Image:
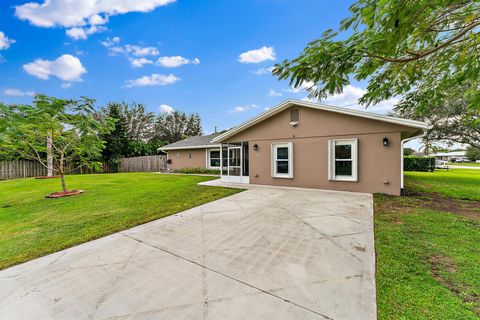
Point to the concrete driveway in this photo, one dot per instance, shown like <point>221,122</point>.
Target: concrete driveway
<point>266,253</point>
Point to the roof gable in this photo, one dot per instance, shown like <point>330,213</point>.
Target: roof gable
<point>289,103</point>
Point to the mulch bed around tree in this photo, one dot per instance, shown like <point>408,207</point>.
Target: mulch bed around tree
<point>63,194</point>
<point>47,177</point>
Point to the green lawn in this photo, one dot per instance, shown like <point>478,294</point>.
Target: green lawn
<point>455,183</point>
<point>428,248</point>
<point>32,226</point>
<point>465,164</point>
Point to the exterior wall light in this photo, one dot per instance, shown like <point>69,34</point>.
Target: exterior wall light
<point>255,147</point>
<point>386,142</point>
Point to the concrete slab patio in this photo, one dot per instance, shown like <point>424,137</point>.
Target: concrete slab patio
<point>266,253</point>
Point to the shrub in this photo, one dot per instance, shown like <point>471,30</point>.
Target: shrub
<point>413,163</point>
<point>196,171</point>
<point>473,154</point>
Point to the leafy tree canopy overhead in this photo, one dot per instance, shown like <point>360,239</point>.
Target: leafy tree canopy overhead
<point>398,47</point>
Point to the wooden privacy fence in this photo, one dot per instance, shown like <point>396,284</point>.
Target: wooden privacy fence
<point>146,164</point>
<point>16,169</point>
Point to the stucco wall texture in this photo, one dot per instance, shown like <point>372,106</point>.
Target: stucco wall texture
<point>189,158</point>
<point>379,167</point>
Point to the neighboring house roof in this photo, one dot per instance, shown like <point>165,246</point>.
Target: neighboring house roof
<point>449,154</point>
<point>196,142</point>
<point>288,103</point>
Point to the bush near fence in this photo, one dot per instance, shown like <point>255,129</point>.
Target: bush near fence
<point>414,163</point>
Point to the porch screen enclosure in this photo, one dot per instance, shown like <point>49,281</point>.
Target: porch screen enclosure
<point>235,162</point>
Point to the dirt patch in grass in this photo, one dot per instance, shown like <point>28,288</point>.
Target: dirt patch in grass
<point>439,264</point>
<point>438,202</point>
<point>433,201</point>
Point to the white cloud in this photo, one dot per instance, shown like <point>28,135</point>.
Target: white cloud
<point>273,93</point>
<point>349,99</point>
<point>13,92</point>
<point>165,108</point>
<point>84,14</point>
<point>78,33</point>
<point>5,41</point>
<point>138,63</point>
<point>65,67</point>
<point>304,86</point>
<point>175,61</point>
<point>262,71</point>
<point>97,19</point>
<point>133,50</point>
<point>153,80</point>
<point>110,42</point>
<point>257,55</point>
<point>66,85</point>
<point>240,109</point>
<point>135,54</point>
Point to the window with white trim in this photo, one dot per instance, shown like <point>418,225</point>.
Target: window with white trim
<point>214,159</point>
<point>343,160</point>
<point>282,160</point>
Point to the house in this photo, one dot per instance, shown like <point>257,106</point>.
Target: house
<point>194,152</point>
<point>310,145</point>
<point>451,156</point>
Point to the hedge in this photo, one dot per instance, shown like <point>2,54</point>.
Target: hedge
<point>413,163</point>
<point>196,171</point>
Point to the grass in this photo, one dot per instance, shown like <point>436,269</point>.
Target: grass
<point>32,226</point>
<point>428,246</point>
<point>464,164</point>
<point>454,183</point>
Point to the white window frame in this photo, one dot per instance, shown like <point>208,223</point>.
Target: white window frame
<point>332,160</point>
<point>209,157</point>
<point>274,159</point>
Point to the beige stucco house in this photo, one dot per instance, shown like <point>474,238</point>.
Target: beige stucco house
<point>304,144</point>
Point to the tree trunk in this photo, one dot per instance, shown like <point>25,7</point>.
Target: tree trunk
<point>62,173</point>
<point>64,186</point>
<point>49,157</point>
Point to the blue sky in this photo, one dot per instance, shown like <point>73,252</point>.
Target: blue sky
<point>210,57</point>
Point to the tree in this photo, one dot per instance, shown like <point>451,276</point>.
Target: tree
<point>408,152</point>
<point>175,126</point>
<point>193,125</point>
<point>473,154</point>
<point>74,132</point>
<point>453,121</point>
<point>399,47</point>
<point>116,141</point>
<point>140,123</point>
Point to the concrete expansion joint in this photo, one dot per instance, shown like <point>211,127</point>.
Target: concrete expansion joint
<point>225,275</point>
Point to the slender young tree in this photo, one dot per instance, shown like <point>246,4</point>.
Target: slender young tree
<point>70,124</point>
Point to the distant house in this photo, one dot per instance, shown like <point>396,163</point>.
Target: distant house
<point>452,156</point>
<point>304,144</point>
